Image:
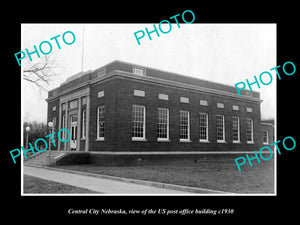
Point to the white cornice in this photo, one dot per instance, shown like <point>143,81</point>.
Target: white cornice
<point>175,84</point>
<point>161,82</point>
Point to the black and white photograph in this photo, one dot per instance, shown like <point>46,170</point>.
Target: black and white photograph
<point>160,117</point>
<point>129,112</point>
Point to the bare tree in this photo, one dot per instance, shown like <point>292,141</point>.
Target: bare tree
<point>41,72</point>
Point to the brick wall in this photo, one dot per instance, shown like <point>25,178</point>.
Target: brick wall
<point>118,101</point>
<point>270,129</point>
<point>50,116</point>
<point>150,72</point>
<point>109,101</point>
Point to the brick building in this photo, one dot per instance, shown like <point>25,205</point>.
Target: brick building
<point>267,127</point>
<point>126,107</point>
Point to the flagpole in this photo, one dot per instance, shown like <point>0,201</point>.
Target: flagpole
<point>82,48</point>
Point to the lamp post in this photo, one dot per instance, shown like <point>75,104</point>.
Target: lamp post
<point>27,131</point>
<point>50,124</point>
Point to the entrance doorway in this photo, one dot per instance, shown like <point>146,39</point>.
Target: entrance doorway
<point>73,141</point>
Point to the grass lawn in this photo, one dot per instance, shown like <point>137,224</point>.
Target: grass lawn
<point>34,185</point>
<point>218,174</point>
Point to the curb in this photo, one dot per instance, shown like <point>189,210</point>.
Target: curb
<point>135,181</point>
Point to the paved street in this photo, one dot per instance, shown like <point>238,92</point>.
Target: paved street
<point>95,183</point>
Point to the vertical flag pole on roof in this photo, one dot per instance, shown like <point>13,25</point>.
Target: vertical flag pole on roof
<point>82,48</point>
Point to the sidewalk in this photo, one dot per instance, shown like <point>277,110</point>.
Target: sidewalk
<point>97,184</point>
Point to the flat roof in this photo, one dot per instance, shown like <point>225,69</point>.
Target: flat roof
<point>117,65</point>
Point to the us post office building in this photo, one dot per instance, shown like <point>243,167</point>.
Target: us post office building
<point>123,107</point>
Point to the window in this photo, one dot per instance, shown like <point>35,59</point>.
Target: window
<point>235,129</point>
<point>83,101</point>
<point>73,104</point>
<point>163,124</point>
<point>100,122</point>
<point>184,126</point>
<point>220,128</point>
<point>139,93</point>
<point>249,130</point>
<point>100,94</point>
<point>203,127</point>
<point>235,107</point>
<point>184,100</point>
<point>54,108</point>
<point>203,102</point>
<point>139,71</point>
<point>74,130</point>
<point>249,109</point>
<point>138,122</point>
<point>163,96</point>
<point>83,133</point>
<point>220,105</point>
<point>265,137</point>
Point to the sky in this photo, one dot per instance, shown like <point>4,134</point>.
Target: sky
<point>222,53</point>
